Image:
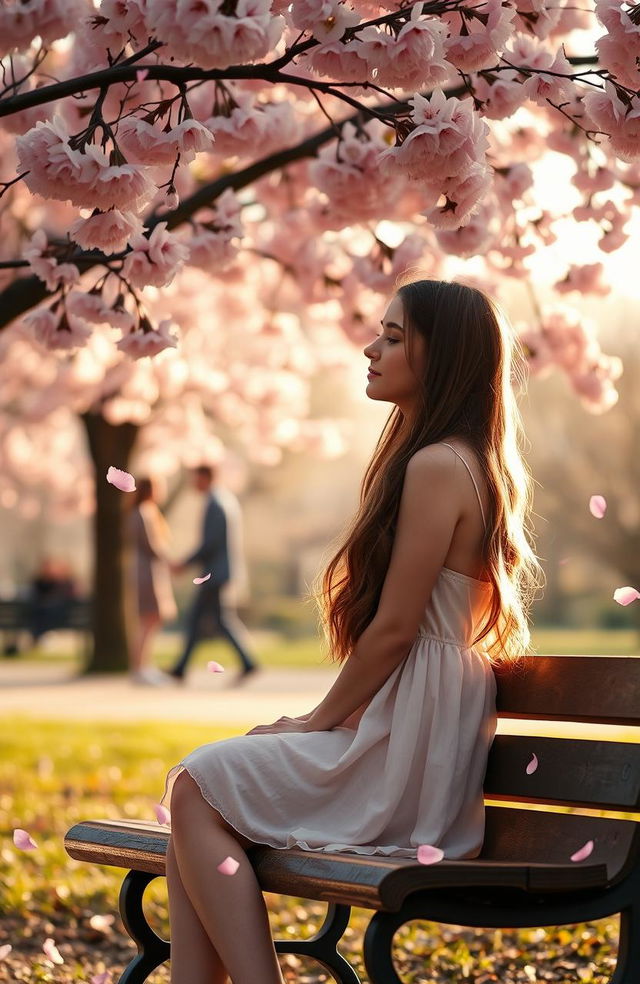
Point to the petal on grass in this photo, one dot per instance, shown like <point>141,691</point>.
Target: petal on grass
<point>51,951</point>
<point>229,866</point>
<point>429,855</point>
<point>583,853</point>
<point>201,580</point>
<point>624,596</point>
<point>23,840</point>
<point>597,506</point>
<point>162,814</point>
<point>533,765</point>
<point>5,950</point>
<point>122,480</point>
<point>214,667</point>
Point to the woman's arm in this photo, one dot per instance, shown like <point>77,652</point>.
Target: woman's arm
<point>429,511</point>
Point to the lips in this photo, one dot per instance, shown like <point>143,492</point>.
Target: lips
<point>373,372</point>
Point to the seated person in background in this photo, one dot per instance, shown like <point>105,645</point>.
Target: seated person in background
<point>52,588</point>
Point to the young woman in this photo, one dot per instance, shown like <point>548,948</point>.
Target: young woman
<point>155,603</point>
<point>430,586</point>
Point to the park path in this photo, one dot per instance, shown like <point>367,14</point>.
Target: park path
<point>52,691</point>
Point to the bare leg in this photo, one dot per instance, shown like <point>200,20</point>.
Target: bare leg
<point>147,625</point>
<point>230,907</point>
<point>194,960</point>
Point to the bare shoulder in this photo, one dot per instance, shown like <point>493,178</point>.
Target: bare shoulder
<point>435,461</point>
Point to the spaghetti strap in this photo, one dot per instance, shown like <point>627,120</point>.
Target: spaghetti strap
<point>475,484</point>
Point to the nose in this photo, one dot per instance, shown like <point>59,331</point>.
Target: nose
<point>370,351</point>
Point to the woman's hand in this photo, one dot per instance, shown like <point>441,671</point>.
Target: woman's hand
<point>282,725</point>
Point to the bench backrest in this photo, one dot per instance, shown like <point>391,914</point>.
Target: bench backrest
<point>571,772</point>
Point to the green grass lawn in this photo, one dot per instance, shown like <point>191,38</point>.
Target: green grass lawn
<point>53,774</point>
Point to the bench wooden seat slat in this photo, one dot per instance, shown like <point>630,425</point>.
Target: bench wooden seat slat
<point>579,772</point>
<point>591,689</point>
<point>374,882</point>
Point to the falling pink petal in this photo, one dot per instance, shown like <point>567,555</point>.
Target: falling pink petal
<point>102,924</point>
<point>597,506</point>
<point>583,853</point>
<point>141,74</point>
<point>100,978</point>
<point>229,866</point>
<point>533,764</point>
<point>23,840</point>
<point>214,667</point>
<point>624,596</point>
<point>5,950</point>
<point>201,580</point>
<point>121,479</point>
<point>51,951</point>
<point>162,814</point>
<point>429,855</point>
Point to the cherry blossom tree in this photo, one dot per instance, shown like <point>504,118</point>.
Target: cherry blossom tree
<point>204,200</point>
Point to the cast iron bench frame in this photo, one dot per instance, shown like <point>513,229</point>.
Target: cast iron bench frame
<point>523,877</point>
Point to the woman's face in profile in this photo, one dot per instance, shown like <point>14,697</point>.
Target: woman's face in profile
<point>391,378</point>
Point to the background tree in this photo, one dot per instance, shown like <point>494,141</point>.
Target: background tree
<point>208,198</point>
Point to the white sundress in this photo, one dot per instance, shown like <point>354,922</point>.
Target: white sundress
<point>409,769</point>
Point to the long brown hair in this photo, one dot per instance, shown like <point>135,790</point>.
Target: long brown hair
<point>466,391</point>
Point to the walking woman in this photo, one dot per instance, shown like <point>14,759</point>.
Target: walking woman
<point>155,603</point>
<point>430,585</point>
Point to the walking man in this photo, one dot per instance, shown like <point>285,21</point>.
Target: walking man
<point>218,555</point>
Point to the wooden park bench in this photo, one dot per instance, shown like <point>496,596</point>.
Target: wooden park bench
<point>16,614</point>
<point>524,876</point>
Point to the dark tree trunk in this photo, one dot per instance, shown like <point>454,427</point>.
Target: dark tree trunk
<point>109,445</point>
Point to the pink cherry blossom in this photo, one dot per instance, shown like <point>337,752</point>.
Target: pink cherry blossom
<point>91,307</point>
<point>87,179</point>
<point>201,34</point>
<point>413,59</point>
<point>51,951</point>
<point>228,867</point>
<point>336,60</point>
<point>55,329</point>
<point>23,840</point>
<point>429,855</point>
<point>533,764</point>
<point>326,20</point>
<point>44,264</point>
<point>618,115</point>
<point>50,19</point>
<point>583,852</point>
<point>154,259</point>
<point>108,231</point>
<point>122,480</point>
<point>597,506</point>
<point>618,49</point>
<point>585,279</point>
<point>474,42</point>
<point>624,596</point>
<point>140,343</point>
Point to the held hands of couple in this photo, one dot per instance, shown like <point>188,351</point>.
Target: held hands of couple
<point>282,725</point>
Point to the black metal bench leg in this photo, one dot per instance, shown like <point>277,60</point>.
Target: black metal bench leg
<point>378,946</point>
<point>628,965</point>
<point>152,949</point>
<point>323,946</point>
